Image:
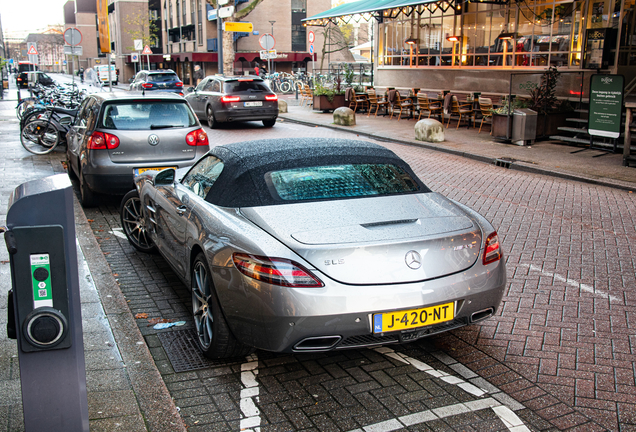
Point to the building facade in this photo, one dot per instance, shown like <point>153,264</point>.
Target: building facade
<point>491,46</point>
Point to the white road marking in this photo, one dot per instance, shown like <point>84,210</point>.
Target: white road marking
<point>505,414</point>
<point>117,232</point>
<point>571,282</point>
<point>252,420</point>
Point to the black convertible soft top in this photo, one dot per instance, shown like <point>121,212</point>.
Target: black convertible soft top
<point>242,181</point>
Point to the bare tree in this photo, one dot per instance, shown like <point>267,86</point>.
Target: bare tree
<point>335,41</point>
<point>228,38</point>
<point>141,26</point>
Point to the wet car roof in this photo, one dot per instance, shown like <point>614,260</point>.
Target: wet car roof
<point>242,182</point>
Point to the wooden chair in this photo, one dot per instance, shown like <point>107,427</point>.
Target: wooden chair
<point>424,104</point>
<point>401,104</point>
<point>485,107</point>
<point>460,110</point>
<point>377,103</point>
<point>306,95</point>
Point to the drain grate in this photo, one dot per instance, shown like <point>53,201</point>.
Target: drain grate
<point>184,354</point>
<point>504,163</point>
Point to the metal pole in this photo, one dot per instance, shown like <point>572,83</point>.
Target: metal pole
<point>272,33</point>
<point>219,38</point>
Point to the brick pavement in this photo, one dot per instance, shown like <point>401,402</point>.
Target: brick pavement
<point>561,347</point>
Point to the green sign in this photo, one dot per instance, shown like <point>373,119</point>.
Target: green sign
<point>606,105</point>
<point>41,279</point>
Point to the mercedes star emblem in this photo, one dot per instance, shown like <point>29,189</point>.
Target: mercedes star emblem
<point>153,140</point>
<point>413,260</point>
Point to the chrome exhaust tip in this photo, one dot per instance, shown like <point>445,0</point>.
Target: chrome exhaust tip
<point>317,343</point>
<point>482,315</point>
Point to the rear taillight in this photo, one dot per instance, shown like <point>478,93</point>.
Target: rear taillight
<point>492,252</point>
<point>230,99</point>
<point>271,97</point>
<point>19,79</point>
<point>179,84</point>
<point>103,141</point>
<point>197,138</point>
<point>275,271</point>
<point>146,85</point>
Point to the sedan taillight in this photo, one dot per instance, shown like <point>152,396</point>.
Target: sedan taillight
<point>230,98</point>
<point>146,85</point>
<point>275,271</point>
<point>103,141</point>
<point>197,138</point>
<point>271,97</point>
<point>492,251</point>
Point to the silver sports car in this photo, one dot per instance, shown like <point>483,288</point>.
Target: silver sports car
<point>313,245</point>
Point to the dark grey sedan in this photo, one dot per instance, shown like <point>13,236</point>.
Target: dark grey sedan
<point>219,99</point>
<point>116,134</point>
<point>300,245</point>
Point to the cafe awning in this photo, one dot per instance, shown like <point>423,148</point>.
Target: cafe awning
<point>378,9</point>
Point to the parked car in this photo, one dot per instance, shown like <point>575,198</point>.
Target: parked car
<point>219,99</point>
<point>300,245</point>
<point>21,73</point>
<point>157,80</point>
<point>117,133</point>
<point>35,77</point>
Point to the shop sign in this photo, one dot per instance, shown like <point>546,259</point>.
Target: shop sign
<point>606,105</point>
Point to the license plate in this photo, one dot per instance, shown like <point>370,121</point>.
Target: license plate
<point>413,318</point>
<point>138,171</point>
<point>249,104</point>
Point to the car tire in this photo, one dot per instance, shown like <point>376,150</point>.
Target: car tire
<point>212,123</point>
<point>87,196</point>
<point>269,123</point>
<point>133,223</point>
<point>213,333</point>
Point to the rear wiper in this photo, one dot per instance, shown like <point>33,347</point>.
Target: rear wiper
<point>161,126</point>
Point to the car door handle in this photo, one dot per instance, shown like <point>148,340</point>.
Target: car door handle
<point>181,210</point>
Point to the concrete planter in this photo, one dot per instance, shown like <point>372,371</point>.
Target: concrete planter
<point>549,124</point>
<point>321,103</point>
<point>499,123</point>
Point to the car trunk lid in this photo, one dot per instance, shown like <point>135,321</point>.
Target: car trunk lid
<point>379,240</point>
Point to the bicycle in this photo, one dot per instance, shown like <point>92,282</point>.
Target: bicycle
<point>40,137</point>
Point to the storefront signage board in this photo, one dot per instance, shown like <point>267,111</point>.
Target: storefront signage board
<point>606,105</point>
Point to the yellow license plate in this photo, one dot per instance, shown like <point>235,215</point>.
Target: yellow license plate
<point>413,318</point>
<point>138,171</point>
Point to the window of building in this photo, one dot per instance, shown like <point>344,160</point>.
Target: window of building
<point>299,31</point>
<point>200,23</point>
<point>537,34</point>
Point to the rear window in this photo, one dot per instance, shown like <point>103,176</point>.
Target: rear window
<point>163,77</point>
<point>245,86</point>
<point>147,115</point>
<point>27,67</point>
<point>339,181</point>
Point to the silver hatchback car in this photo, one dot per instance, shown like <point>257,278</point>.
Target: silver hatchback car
<point>117,134</point>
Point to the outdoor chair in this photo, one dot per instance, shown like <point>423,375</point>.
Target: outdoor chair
<point>377,103</point>
<point>356,101</point>
<point>485,107</point>
<point>402,104</point>
<point>424,104</point>
<point>458,110</point>
<point>306,95</point>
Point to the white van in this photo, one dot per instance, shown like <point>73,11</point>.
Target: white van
<point>102,74</point>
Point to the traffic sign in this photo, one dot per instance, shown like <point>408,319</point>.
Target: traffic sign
<point>139,44</point>
<point>238,27</point>
<point>268,54</point>
<point>311,37</point>
<point>226,12</point>
<point>147,50</point>
<point>134,57</point>
<point>73,50</point>
<point>311,48</point>
<point>72,36</point>
<point>267,41</point>
<point>32,50</point>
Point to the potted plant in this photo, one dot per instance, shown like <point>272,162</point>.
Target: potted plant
<point>552,112</point>
<point>328,99</point>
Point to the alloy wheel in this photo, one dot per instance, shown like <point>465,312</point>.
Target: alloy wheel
<point>203,318</point>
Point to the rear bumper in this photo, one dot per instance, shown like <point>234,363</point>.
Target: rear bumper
<point>238,115</point>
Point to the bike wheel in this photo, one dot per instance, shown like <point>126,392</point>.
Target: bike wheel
<point>23,107</point>
<point>39,137</point>
<point>285,87</point>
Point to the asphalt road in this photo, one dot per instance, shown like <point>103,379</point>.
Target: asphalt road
<point>559,354</point>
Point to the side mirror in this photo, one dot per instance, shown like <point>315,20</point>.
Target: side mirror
<point>164,177</point>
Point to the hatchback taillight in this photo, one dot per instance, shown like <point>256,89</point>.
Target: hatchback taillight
<point>197,138</point>
<point>271,97</point>
<point>230,98</point>
<point>492,252</point>
<point>275,271</point>
<point>146,85</point>
<point>179,84</point>
<point>103,141</point>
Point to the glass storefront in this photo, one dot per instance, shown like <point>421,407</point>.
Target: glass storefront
<point>529,34</point>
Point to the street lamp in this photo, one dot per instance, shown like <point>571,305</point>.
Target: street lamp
<point>454,39</point>
<point>411,42</point>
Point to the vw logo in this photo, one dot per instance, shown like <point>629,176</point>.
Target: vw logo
<point>413,260</point>
<point>153,140</point>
